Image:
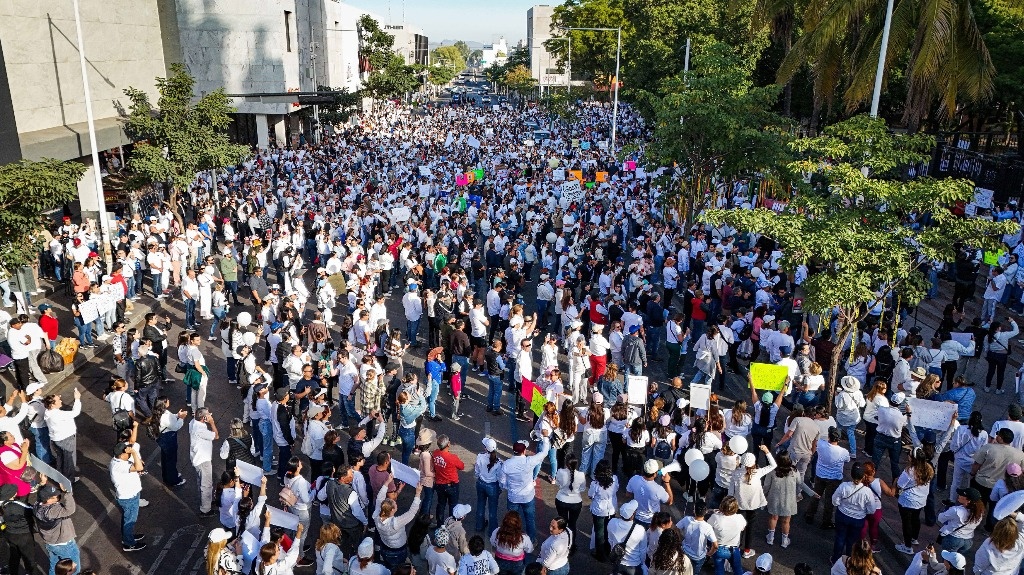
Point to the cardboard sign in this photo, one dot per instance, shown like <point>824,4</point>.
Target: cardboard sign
<point>768,376</point>
<point>282,518</point>
<point>404,473</point>
<point>401,214</point>
<point>700,396</point>
<point>577,174</point>
<point>461,180</point>
<point>636,389</point>
<point>249,473</point>
<point>601,176</point>
<point>983,197</point>
<point>571,191</point>
<point>930,414</point>
<point>962,338</point>
<point>52,474</point>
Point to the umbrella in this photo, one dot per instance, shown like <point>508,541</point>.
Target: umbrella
<point>432,354</point>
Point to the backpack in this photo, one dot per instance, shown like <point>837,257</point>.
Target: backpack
<point>122,418</point>
<point>747,331</point>
<point>307,444</point>
<point>662,450</point>
<point>884,363</point>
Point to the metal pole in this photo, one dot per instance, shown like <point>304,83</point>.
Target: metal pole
<point>98,178</point>
<point>316,108</point>
<point>686,59</point>
<point>880,70</point>
<point>568,76</point>
<point>615,106</point>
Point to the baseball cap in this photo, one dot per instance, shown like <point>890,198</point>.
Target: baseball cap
<point>955,559</point>
<point>767,397</point>
<point>651,467</point>
<point>281,394</point>
<point>33,387</point>
<point>48,491</point>
<point>682,402</point>
<point>365,550</point>
<point>598,398</point>
<point>489,444</point>
<point>970,493</point>
<point>441,536</point>
<point>314,410</point>
<point>461,510</point>
<point>120,448</point>
<point>1013,469</point>
<point>219,534</point>
<point>897,398</point>
<point>634,328</point>
<point>627,509</point>
<point>764,563</point>
<point>44,307</point>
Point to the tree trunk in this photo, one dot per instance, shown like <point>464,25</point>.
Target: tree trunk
<point>837,354</point>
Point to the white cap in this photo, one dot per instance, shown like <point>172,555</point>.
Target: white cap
<point>749,460</point>
<point>627,509</point>
<point>764,562</point>
<point>955,559</point>
<point>219,534</point>
<point>461,510</point>
<point>897,398</point>
<point>365,550</point>
<point>597,398</point>
<point>651,466</point>
<point>33,387</point>
<point>489,444</point>
<point>682,402</point>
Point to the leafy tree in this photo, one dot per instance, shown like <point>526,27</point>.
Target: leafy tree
<point>520,81</point>
<point>851,228</point>
<point>447,63</point>
<point>1003,31</point>
<point>593,52</point>
<point>714,125</point>
<point>474,57</point>
<point>376,46</point>
<point>179,138</point>
<point>463,49</point>
<point>27,190</point>
<point>394,81</point>
<point>345,104</point>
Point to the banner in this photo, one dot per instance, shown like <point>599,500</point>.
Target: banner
<point>636,389</point>
<point>461,180</point>
<point>571,191</point>
<point>534,396</point>
<point>768,376</point>
<point>930,414</point>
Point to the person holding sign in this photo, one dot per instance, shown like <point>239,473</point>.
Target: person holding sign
<point>272,560</point>
<point>394,541</point>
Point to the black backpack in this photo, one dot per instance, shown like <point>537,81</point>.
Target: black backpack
<point>662,449</point>
<point>747,331</point>
<point>884,363</point>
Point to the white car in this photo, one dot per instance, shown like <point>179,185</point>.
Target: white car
<point>486,99</point>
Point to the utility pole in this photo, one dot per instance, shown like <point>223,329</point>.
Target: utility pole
<point>316,87</point>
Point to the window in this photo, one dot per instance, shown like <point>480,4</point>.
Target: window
<point>288,30</point>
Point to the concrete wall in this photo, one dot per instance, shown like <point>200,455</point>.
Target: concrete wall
<point>123,47</point>
<point>339,50</point>
<point>543,64</point>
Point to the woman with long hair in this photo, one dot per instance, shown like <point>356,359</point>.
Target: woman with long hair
<point>957,524</point>
<point>511,545</point>
<point>394,541</point>
<point>913,486</point>
<point>299,485</point>
<point>874,520</point>
<point>707,442</point>
<point>226,495</point>
<point>545,426</point>
<point>603,506</point>
<point>571,484</point>
<point>595,434</point>
<point>222,559</point>
<point>637,439</point>
<point>567,428</point>
<point>487,470</point>
<point>726,462</point>
<point>966,441</point>
<point>273,560</point>
<point>329,558</point>
<point>164,425</point>
<point>861,561</point>
<point>1001,553</point>
<point>737,421</point>
<point>746,487</point>
<point>876,395</point>
<point>997,351</point>
<point>782,491</point>
<point>669,558</point>
<point>617,424</point>
<point>858,367</point>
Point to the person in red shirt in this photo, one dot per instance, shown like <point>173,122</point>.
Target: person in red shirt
<point>447,466</point>
<point>49,323</point>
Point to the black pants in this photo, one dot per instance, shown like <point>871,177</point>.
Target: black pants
<point>601,546</point>
<point>618,448</point>
<point>21,547</point>
<point>990,520</point>
<point>949,372</point>
<point>997,367</point>
<point>447,497</point>
<point>22,373</point>
<point>748,531</point>
<point>911,523</point>
<point>945,458</point>
<point>826,487</point>
<point>571,513</point>
<point>870,430</point>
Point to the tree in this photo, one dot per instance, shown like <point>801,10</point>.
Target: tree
<point>376,47</point>
<point>463,49</point>
<point>475,57</point>
<point>851,228</point>
<point>715,126</point>
<point>448,62</point>
<point>593,52</point>
<point>345,104</point>
<point>394,81</point>
<point>949,63</point>
<point>179,138</point>
<point>27,190</point>
<point>520,81</point>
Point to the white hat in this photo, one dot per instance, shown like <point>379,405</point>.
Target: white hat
<point>682,402</point>
<point>219,534</point>
<point>897,398</point>
<point>849,383</point>
<point>597,328</point>
<point>651,466</point>
<point>314,410</point>
<point>764,562</point>
<point>627,509</point>
<point>955,559</point>
<point>576,324</point>
<point>768,318</point>
<point>489,444</point>
<point>749,460</point>
<point>461,510</point>
<point>33,387</point>
<point>365,550</point>
<point>597,398</point>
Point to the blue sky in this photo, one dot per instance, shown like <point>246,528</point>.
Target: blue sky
<point>473,20</point>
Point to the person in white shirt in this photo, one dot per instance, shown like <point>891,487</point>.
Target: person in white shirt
<point>853,501</point>
<point>647,493</point>
<point>37,422</point>
<point>26,339</point>
<point>891,422</point>
<point>413,312</point>
<point>554,552</point>
<point>518,480</point>
<point>202,433</point>
<point>124,474</point>
<point>632,535</point>
<point>728,525</point>
<point>63,433</point>
<point>699,539</point>
<point>12,423</point>
<point>487,470</point>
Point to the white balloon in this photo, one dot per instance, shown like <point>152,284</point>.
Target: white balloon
<point>692,455</point>
<point>249,338</point>
<point>1008,504</point>
<point>738,445</point>
<point>699,470</point>
<point>244,319</point>
<point>551,237</point>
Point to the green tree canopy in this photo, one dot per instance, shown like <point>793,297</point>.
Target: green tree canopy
<point>375,45</point>
<point>394,81</point>
<point>179,137</point>
<point>27,190</point>
<point>851,228</point>
<point>345,104</point>
<point>463,49</point>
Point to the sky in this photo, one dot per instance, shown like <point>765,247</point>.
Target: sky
<point>481,21</point>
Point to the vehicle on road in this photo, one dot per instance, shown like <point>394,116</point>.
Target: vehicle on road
<point>485,100</point>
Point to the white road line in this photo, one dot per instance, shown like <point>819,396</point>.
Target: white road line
<point>110,506</point>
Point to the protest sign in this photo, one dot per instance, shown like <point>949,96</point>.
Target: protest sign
<point>575,142</point>
<point>404,473</point>
<point>282,518</point>
<point>584,145</point>
<point>601,176</point>
<point>478,175</point>
<point>401,214</point>
<point>636,389</point>
<point>962,338</point>
<point>571,191</point>
<point>603,144</point>
<point>577,174</point>
<point>249,473</point>
<point>425,171</point>
<point>992,258</point>
<point>630,165</point>
<point>89,311</point>
<point>448,141</point>
<point>983,197</point>
<point>971,209</point>
<point>930,414</point>
<point>558,175</point>
<point>700,396</point>
<point>488,131</point>
<point>768,376</point>
<point>473,142</point>
<point>461,180</point>
<point>53,474</point>
<point>424,190</point>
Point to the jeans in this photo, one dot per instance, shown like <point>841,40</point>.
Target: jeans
<point>698,564</point>
<point>426,499</point>
<point>891,445</point>
<point>851,438</point>
<point>168,441</point>
<point>527,512</point>
<point>996,367</point>
<point>486,495</point>
<point>464,362</point>
<point>654,337</point>
<point>267,429</point>
<point>41,437</point>
<point>348,410</point>
<point>129,514</point>
<point>506,567</point>
<point>218,314</point>
<point>848,532</point>
<point>435,387</point>
<point>809,398</point>
<point>84,332</point>
<point>494,392</point>
<point>67,550</point>
<point>632,369</point>
<point>412,328</point>
<point>392,558</point>
<point>447,498</point>
<point>408,437</point>
<point>956,544</point>
<point>563,570</point>
<point>988,310</point>
<point>158,281</point>
<point>190,313</point>
<point>730,554</point>
<point>601,545</point>
<point>591,456</point>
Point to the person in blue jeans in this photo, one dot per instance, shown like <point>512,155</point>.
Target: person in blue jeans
<point>435,369</point>
<point>495,367</point>
<point>410,407</point>
<point>728,525</point>
<point>266,426</point>
<point>124,473</point>
<point>487,470</point>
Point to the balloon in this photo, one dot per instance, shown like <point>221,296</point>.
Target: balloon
<point>244,319</point>
<point>249,338</point>
<point>691,455</point>
<point>1008,504</point>
<point>551,237</point>
<point>738,445</point>
<point>699,470</point>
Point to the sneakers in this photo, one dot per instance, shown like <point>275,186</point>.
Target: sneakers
<point>182,482</point>
<point>770,538</point>
<point>988,389</point>
<point>143,503</point>
<point>137,547</point>
<point>304,562</point>
<point>904,549</point>
<point>785,540</point>
<point>455,417</point>
<point>915,542</point>
<point>748,553</point>
<point>209,513</point>
<point>1000,392</point>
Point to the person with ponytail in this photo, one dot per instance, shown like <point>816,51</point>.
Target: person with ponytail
<point>165,425</point>
<point>966,441</point>
<point>274,561</point>
<point>487,470</point>
<point>957,524</point>
<point>571,484</point>
<point>912,490</point>
<point>746,487</point>
<point>222,558</point>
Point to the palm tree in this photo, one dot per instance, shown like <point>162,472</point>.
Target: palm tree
<point>780,17</point>
<point>948,62</point>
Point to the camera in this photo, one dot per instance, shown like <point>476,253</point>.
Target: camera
<point>536,436</point>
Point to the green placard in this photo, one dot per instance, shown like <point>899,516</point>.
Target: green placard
<point>768,377</point>
<point>538,402</point>
<point>479,175</point>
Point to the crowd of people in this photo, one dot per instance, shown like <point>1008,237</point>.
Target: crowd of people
<point>294,266</point>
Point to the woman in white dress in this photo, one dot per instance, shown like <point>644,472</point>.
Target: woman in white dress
<point>206,280</point>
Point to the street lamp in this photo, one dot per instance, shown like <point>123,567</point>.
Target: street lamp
<point>618,52</point>
<point>880,70</point>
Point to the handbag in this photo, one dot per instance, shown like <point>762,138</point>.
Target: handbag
<point>180,368</point>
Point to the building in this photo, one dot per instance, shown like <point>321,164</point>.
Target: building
<point>410,43</point>
<point>543,64</point>
<point>495,53</point>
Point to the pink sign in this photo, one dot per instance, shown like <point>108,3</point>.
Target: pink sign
<point>630,166</point>
<point>461,180</point>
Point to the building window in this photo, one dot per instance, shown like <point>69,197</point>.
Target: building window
<point>288,30</point>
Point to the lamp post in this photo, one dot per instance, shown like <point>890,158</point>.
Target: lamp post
<point>618,53</point>
<point>876,95</point>
<point>101,202</point>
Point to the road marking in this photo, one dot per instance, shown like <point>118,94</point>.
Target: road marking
<point>170,546</point>
<point>111,504</point>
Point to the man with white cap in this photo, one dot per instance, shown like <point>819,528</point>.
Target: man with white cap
<point>648,494</point>
<point>518,480</point>
<point>487,470</point>
<point>458,543</point>
<point>762,565</point>
<point>891,422</point>
<point>599,348</point>
<point>928,561</point>
<point>631,534</point>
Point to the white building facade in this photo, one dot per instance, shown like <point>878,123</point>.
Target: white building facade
<point>543,64</point>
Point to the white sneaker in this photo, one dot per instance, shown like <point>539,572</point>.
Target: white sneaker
<point>904,549</point>
<point>748,553</point>
<point>143,502</point>
<point>770,538</point>
<point>785,540</point>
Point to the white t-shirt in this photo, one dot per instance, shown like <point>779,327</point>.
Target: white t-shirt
<point>727,528</point>
<point>200,449</point>
<point>127,484</point>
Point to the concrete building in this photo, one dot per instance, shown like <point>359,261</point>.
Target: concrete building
<point>410,43</point>
<point>543,64</point>
<point>495,53</point>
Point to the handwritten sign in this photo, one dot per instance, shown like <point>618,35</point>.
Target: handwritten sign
<point>983,197</point>
<point>577,174</point>
<point>571,191</point>
<point>700,396</point>
<point>636,389</point>
<point>461,180</point>
<point>768,377</point>
<point>630,165</point>
<point>425,171</point>
<point>930,414</point>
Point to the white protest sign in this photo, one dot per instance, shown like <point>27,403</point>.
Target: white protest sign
<point>636,389</point>
<point>89,311</point>
<point>496,107</point>
<point>400,214</point>
<point>424,190</point>
<point>49,472</point>
<point>983,197</point>
<point>448,141</point>
<point>930,414</point>
<point>249,473</point>
<point>641,174</point>
<point>404,473</point>
<point>571,191</point>
<point>488,131</point>
<point>603,144</point>
<point>473,142</point>
<point>425,171</point>
<point>558,175</point>
<point>700,396</point>
<point>481,119</point>
<point>971,209</point>
<point>962,338</point>
<point>105,303</point>
<point>282,518</point>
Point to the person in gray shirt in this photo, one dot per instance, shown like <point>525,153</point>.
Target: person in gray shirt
<point>53,520</point>
<point>258,286</point>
